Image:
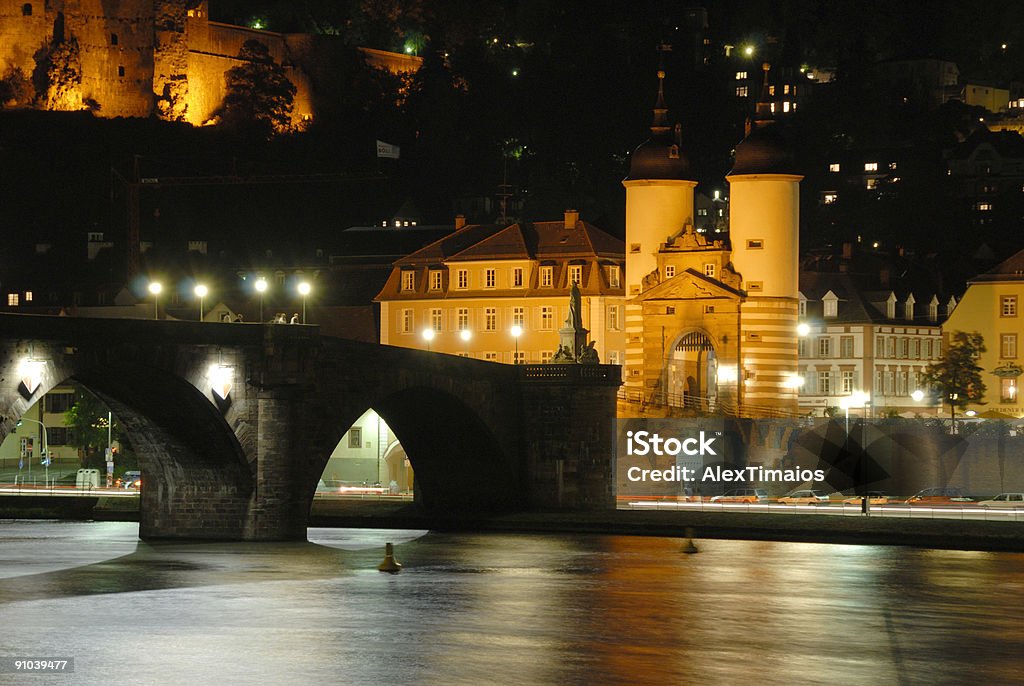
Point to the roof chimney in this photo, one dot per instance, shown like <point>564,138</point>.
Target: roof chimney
<point>460,221</point>
<point>571,217</point>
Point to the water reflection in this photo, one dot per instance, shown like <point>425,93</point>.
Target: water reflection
<point>515,609</point>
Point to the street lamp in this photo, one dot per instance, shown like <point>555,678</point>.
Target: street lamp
<point>428,335</point>
<point>304,289</point>
<point>155,288</point>
<point>261,288</point>
<point>465,335</point>
<point>201,292</point>
<point>45,453</point>
<point>517,331</point>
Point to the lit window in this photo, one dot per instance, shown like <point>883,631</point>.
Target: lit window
<point>702,212</point>
<point>435,280</point>
<point>1008,390</point>
<point>709,269</point>
<point>462,279</point>
<point>436,319</point>
<point>771,90</point>
<point>892,166</point>
<point>490,278</point>
<point>742,92</point>
<point>517,277</point>
<point>785,106</point>
<point>613,317</point>
<point>408,280</point>
<point>576,274</point>
<point>546,277</point>
<point>406,321</point>
<point>824,382</point>
<point>462,318</point>
<point>831,307</point>
<point>825,347</point>
<point>519,316</point>
<point>740,75</point>
<point>490,319</point>
<point>773,108</point>
<point>871,184</point>
<point>12,299</point>
<point>670,271</point>
<point>984,206</point>
<point>870,166</point>
<point>834,167</point>
<point>830,198</point>
<point>847,382</point>
<point>28,296</point>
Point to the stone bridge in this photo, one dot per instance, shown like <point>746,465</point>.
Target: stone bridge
<point>243,462</point>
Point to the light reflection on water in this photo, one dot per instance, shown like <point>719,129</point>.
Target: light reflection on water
<point>514,609</point>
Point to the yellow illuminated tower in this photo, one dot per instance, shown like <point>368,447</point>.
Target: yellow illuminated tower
<point>659,204</point>
<point>765,242</point>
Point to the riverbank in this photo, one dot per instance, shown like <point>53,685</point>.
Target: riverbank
<point>951,534</point>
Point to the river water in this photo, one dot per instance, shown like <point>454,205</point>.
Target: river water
<point>498,608</point>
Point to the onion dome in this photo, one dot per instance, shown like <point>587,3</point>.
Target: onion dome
<point>660,156</point>
<point>764,150</point>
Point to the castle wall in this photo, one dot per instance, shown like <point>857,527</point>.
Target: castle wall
<point>22,35</point>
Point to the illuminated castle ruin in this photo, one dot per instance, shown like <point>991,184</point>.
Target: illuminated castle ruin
<point>135,58</point>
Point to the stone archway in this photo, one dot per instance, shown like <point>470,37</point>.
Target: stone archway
<point>691,367</point>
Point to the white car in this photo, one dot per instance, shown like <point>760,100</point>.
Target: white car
<point>1004,500</point>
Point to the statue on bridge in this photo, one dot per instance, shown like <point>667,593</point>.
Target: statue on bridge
<point>573,347</point>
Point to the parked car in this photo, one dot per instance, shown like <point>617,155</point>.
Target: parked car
<point>874,498</point>
<point>1004,500</point>
<point>131,479</point>
<point>942,495</point>
<point>804,497</point>
<point>742,495</point>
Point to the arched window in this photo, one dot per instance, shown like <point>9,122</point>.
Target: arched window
<point>113,39</point>
<point>26,9</point>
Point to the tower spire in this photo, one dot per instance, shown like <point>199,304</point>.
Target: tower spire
<point>660,125</point>
<point>764,105</point>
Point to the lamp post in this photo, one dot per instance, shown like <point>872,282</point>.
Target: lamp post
<point>428,335</point>
<point>45,449</point>
<point>155,287</point>
<point>465,335</point>
<point>201,292</point>
<point>261,288</point>
<point>304,289</point>
<point>517,331</point>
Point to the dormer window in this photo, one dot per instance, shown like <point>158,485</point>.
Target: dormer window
<point>830,303</point>
<point>890,307</point>
<point>908,308</point>
<point>408,280</point>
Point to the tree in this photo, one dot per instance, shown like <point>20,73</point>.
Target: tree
<point>957,376</point>
<point>87,424</point>
<point>259,95</point>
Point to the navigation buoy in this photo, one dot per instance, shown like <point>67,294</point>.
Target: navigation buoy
<point>689,547</point>
<point>390,564</point>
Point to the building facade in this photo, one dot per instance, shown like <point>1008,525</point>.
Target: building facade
<point>464,293</point>
<point>991,307</point>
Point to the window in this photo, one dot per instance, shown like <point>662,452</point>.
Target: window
<point>742,91</point>
<point>120,70</point>
<point>741,75</point>
<point>436,319</point>
<point>829,198</point>
<point>518,357</point>
<point>519,316</point>
<point>892,166</point>
<point>824,382</point>
<point>834,167</point>
<point>1008,390</point>
<point>846,346</point>
<point>903,348</point>
<point>491,357</point>
<point>915,349</point>
<point>847,382</point>
<point>801,347</point>
<point>613,317</point>
<point>870,166</point>
<point>771,91</point>
<point>634,248</point>
<point>435,279</point>
<point>613,276</point>
<point>517,277</point>
<point>927,354</point>
<point>890,347</point>
<point>58,403</point>
<point>871,184</point>
<point>545,356</point>
<point>355,437</point>
<point>113,39</point>
<point>831,307</point>
<point>462,319</point>
<point>901,383</point>
<point>888,383</point>
<point>28,296</point>
<point>26,9</point>
<point>670,271</point>
<point>490,278</point>
<point>546,274</point>
<point>462,279</point>
<point>878,382</point>
<point>546,317</point>
<point>12,299</point>
<point>1008,306</point>
<point>576,274</point>
<point>408,280</point>
<point>709,269</point>
<point>1008,346</point>
<point>406,319</point>
<point>908,309</point>
<point>490,319</point>
<point>755,244</point>
<point>824,347</point>
<point>802,307</point>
